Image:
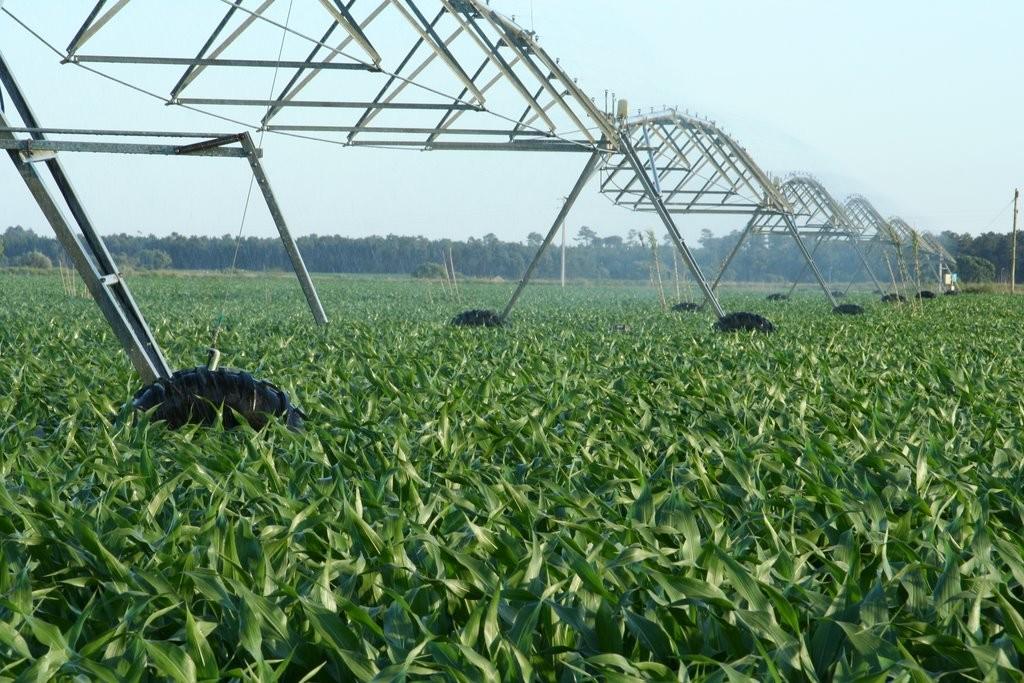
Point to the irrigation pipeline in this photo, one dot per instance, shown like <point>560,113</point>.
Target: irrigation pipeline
<point>131,86</point>
<point>408,81</point>
<point>66,58</point>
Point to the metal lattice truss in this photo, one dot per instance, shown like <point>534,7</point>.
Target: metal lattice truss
<point>417,74</point>
<point>813,209</point>
<point>820,216</point>
<point>696,168</point>
<point>870,225</point>
<point>911,237</point>
<point>811,212</point>
<point>421,74</point>
<point>669,164</point>
<point>895,233</point>
<point>693,167</point>
<point>940,251</point>
<point>922,245</point>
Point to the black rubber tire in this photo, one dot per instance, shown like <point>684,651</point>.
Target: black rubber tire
<point>686,307</point>
<point>195,396</point>
<point>777,297</point>
<point>848,309</point>
<point>926,294</point>
<point>951,292</point>
<point>744,322</point>
<point>478,318</point>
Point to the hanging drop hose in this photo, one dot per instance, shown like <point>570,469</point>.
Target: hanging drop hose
<point>204,395</point>
<point>213,353</point>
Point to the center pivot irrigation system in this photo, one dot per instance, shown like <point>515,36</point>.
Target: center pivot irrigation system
<point>922,244</point>
<point>415,74</point>
<point>895,234</point>
<point>814,213</point>
<point>671,164</point>
<point>699,169</point>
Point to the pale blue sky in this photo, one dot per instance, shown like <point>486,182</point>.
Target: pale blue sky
<point>916,104</point>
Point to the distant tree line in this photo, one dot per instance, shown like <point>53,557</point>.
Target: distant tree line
<point>985,257</point>
<point>762,259</point>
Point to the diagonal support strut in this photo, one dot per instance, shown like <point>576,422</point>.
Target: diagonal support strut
<point>626,145</point>
<point>89,254</point>
<point>588,171</point>
<point>294,255</point>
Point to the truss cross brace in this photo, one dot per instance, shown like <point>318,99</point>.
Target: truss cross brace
<point>792,229</point>
<point>294,255</point>
<point>588,171</point>
<point>860,255</point>
<point>89,254</point>
<point>627,148</point>
<point>809,260</point>
<point>867,267</point>
<point>736,249</point>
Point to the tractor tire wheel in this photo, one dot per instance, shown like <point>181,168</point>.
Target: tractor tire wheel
<point>744,322</point>
<point>477,318</point>
<point>197,395</point>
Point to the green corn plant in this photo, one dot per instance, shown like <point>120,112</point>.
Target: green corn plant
<point>553,501</point>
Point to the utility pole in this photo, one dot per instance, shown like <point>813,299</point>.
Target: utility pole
<point>1013,244</point>
<point>564,199</point>
<point>563,255</point>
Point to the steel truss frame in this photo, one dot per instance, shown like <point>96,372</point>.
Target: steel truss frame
<point>895,232</point>
<point>872,229</point>
<point>87,249</point>
<point>552,114</point>
<point>697,168</point>
<point>652,195</point>
<point>669,163</point>
<point>814,213</point>
<point>922,244</point>
<point>472,46</point>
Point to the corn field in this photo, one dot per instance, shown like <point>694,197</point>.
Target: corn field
<point>602,491</point>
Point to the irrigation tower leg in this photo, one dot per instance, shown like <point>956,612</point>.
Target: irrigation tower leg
<point>860,255</point>
<point>849,285</point>
<point>866,265</point>
<point>626,144</point>
<point>809,259</point>
<point>282,228</point>
<point>89,254</point>
<point>747,231</point>
<point>588,171</point>
<point>817,243</point>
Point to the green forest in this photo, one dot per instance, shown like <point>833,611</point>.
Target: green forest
<point>981,258</point>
